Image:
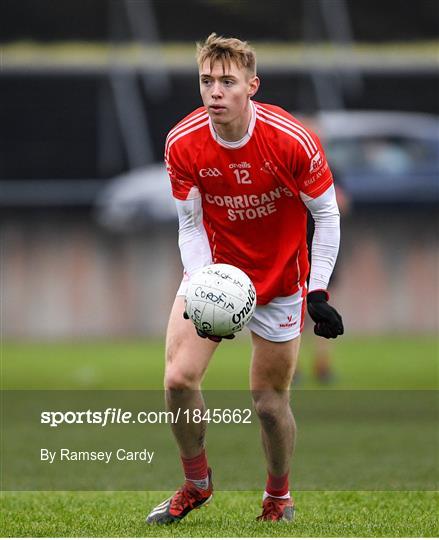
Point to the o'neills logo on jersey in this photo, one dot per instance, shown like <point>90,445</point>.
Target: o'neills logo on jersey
<point>238,317</point>
<point>209,172</point>
<point>316,163</point>
<point>242,165</point>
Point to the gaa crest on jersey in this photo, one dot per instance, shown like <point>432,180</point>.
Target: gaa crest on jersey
<point>212,171</point>
<point>316,163</point>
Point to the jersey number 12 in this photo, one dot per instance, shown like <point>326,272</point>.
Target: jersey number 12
<point>242,176</point>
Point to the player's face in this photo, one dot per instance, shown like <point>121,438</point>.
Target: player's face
<point>225,91</point>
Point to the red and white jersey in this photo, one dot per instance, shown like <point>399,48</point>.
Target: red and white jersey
<point>250,189</point>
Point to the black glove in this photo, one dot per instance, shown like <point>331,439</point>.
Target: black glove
<point>203,335</point>
<point>329,323</point>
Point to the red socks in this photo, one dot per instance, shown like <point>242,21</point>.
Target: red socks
<point>277,486</point>
<point>195,468</point>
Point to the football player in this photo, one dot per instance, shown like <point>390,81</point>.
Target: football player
<point>243,175</point>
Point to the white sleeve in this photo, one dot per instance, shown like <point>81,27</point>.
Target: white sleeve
<point>192,238</point>
<point>326,239</point>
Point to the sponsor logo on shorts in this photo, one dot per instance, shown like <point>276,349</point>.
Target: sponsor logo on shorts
<point>288,324</point>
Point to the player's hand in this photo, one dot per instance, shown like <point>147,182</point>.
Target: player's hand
<point>203,335</point>
<point>216,339</point>
<point>329,323</point>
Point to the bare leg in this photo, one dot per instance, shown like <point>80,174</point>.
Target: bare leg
<point>272,369</point>
<point>187,358</point>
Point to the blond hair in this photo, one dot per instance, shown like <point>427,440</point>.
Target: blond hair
<point>226,50</point>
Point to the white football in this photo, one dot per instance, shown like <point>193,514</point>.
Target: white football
<point>220,299</point>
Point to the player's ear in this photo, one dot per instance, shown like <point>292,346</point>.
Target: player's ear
<point>254,83</point>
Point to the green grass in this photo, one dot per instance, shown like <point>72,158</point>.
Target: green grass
<point>319,514</point>
<point>360,363</point>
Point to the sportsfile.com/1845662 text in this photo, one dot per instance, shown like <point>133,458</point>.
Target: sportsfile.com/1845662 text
<point>113,415</point>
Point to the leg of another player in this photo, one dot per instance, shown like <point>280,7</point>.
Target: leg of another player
<point>272,369</point>
<point>322,365</point>
<point>187,358</point>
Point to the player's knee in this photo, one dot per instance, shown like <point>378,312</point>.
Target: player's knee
<point>268,409</point>
<point>271,405</point>
<point>178,379</point>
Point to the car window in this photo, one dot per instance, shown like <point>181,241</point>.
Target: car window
<point>383,154</point>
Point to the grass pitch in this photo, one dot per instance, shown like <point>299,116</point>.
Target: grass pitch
<point>366,363</point>
<point>403,363</point>
<point>231,514</point>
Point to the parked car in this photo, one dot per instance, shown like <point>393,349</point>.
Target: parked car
<point>133,200</point>
<point>379,156</point>
<point>383,156</point>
